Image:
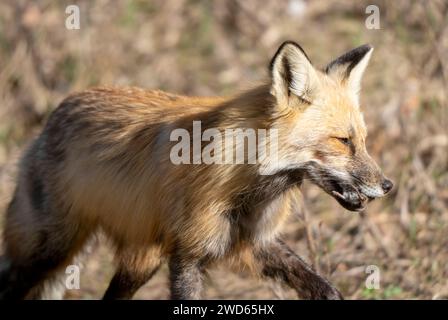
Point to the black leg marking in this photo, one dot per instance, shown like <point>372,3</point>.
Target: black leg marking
<point>125,283</point>
<point>278,261</point>
<point>186,278</point>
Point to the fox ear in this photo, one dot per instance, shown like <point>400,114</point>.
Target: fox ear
<point>350,67</point>
<point>292,74</point>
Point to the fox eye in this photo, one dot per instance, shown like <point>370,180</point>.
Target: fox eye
<point>345,141</point>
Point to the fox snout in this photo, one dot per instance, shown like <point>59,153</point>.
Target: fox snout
<point>353,189</point>
<point>375,190</point>
<point>368,177</point>
<point>355,194</point>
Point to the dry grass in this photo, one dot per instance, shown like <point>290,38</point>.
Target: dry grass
<point>204,48</point>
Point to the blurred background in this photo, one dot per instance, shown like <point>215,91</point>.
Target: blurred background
<point>220,47</point>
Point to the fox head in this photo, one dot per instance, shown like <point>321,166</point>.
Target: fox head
<point>321,126</point>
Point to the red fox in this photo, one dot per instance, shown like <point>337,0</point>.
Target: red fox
<point>102,163</point>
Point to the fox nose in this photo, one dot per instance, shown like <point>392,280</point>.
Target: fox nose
<point>386,185</point>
